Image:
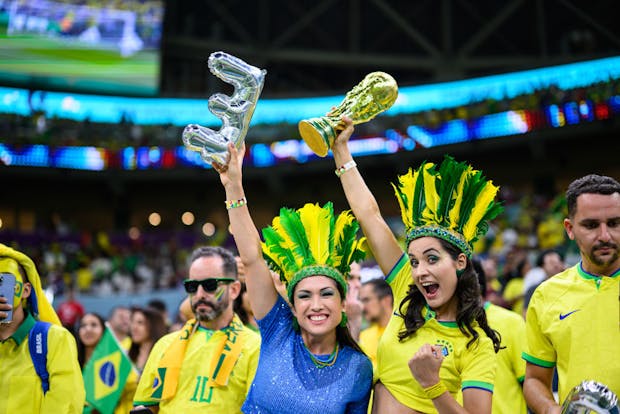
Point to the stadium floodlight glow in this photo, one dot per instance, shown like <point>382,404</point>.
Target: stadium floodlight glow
<point>187,218</point>
<point>154,219</point>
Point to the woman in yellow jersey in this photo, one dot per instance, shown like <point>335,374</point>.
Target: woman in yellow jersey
<point>437,354</point>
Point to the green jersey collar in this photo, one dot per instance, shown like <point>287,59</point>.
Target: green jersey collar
<point>584,274</point>
<point>24,329</point>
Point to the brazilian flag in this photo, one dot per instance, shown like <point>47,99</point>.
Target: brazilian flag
<point>105,374</point>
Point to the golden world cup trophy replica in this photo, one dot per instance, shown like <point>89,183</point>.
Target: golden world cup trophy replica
<point>376,93</point>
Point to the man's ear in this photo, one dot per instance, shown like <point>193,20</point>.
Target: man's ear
<point>568,226</point>
<point>235,288</point>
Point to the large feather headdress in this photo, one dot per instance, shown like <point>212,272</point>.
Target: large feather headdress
<point>311,241</point>
<point>453,202</point>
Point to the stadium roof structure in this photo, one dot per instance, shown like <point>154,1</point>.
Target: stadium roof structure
<point>313,48</point>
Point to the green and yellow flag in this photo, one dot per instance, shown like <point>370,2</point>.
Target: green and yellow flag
<point>105,374</point>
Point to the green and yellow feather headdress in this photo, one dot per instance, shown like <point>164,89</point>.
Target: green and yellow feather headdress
<point>453,202</point>
<point>311,241</point>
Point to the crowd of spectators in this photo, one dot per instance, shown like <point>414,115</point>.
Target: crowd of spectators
<point>107,263</point>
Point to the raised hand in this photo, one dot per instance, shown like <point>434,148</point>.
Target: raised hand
<point>345,134</point>
<point>231,171</point>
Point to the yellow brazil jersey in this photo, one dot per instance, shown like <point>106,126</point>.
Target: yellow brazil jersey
<point>514,293</point>
<point>462,367</point>
<point>20,386</point>
<point>507,391</point>
<point>573,323</point>
<point>193,394</point>
<point>369,340</point>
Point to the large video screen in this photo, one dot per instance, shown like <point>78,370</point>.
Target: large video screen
<point>108,47</point>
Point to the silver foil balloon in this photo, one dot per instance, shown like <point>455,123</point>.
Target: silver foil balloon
<point>234,111</point>
<point>591,397</point>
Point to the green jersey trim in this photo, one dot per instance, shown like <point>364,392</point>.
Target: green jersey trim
<point>397,268</point>
<point>477,384</point>
<point>536,361</point>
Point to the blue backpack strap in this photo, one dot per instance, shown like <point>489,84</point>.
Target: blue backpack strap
<point>37,344</point>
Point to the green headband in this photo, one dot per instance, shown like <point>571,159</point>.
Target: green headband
<point>316,270</point>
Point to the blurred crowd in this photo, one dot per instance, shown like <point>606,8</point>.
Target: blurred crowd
<point>105,263</point>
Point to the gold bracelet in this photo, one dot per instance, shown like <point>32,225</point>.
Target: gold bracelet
<point>344,168</point>
<point>236,203</point>
<point>435,391</point>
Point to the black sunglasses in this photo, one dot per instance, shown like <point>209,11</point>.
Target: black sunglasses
<point>209,285</point>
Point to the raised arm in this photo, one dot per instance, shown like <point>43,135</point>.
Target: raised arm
<point>261,290</point>
<point>381,240</point>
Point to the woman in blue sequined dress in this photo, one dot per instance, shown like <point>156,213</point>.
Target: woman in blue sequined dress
<point>309,362</point>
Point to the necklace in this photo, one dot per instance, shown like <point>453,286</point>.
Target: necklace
<point>331,360</point>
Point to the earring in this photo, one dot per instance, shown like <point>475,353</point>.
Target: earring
<point>343,322</point>
<point>459,272</point>
<point>295,324</point>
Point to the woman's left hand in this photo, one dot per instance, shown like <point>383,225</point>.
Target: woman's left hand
<point>231,171</point>
<point>425,365</point>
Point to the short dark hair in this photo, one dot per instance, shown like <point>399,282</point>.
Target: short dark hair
<point>380,287</point>
<point>589,184</point>
<point>229,266</point>
<point>540,259</point>
<point>157,304</point>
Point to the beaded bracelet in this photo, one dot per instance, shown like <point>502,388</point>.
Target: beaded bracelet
<point>344,168</point>
<point>236,203</point>
<point>435,391</point>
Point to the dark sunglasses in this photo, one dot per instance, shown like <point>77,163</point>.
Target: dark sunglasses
<point>209,285</point>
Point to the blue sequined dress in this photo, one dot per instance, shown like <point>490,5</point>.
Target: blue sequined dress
<point>287,381</point>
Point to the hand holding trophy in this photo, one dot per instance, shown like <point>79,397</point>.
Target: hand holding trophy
<point>376,93</point>
<point>234,111</point>
<point>591,397</point>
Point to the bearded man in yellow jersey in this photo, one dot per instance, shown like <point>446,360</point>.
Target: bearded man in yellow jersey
<point>208,366</point>
<point>572,322</point>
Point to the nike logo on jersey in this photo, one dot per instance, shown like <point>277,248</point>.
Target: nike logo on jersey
<point>566,315</point>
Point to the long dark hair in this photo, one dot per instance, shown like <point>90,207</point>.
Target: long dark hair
<point>469,305</point>
<point>81,349</point>
<point>156,326</point>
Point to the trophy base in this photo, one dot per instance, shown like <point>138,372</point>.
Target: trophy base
<point>318,134</point>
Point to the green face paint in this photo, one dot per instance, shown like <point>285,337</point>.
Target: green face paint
<point>219,293</point>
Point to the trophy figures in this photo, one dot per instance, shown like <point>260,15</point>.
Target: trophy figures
<point>376,93</point>
<point>234,111</point>
<point>590,397</point>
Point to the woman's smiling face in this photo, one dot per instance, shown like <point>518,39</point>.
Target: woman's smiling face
<point>90,330</point>
<point>317,304</point>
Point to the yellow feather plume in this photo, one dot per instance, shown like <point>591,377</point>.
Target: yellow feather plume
<point>455,211</point>
<point>482,204</point>
<point>430,194</point>
<point>316,223</point>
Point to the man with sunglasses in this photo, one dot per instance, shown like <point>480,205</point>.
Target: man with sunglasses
<point>208,365</point>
